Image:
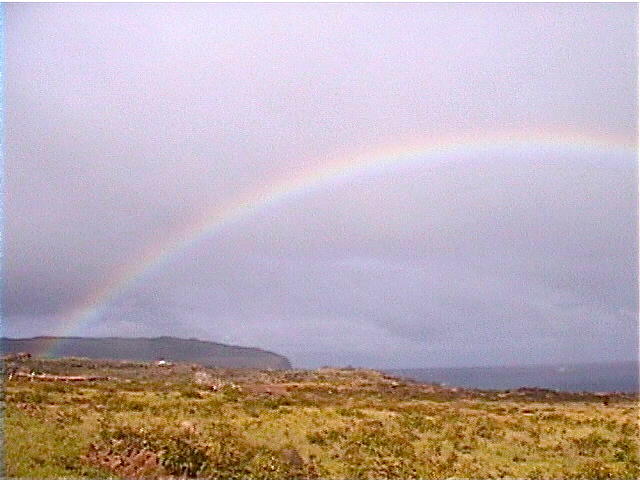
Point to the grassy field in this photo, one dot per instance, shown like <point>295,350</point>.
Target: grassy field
<point>150,421</point>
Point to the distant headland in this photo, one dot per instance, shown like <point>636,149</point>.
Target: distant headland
<point>205,353</point>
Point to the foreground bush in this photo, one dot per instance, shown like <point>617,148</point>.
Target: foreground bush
<point>330,424</point>
<point>220,453</point>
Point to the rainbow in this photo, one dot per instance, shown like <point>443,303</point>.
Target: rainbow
<point>435,152</point>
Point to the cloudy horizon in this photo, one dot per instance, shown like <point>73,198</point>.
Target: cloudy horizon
<point>129,124</point>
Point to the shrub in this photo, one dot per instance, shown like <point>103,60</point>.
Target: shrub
<point>488,428</point>
<point>595,470</point>
<point>183,457</point>
<point>350,412</point>
<point>373,452</point>
<point>626,450</point>
<point>28,396</point>
<point>325,437</point>
<point>191,393</point>
<point>221,453</point>
<point>590,445</point>
<point>415,421</point>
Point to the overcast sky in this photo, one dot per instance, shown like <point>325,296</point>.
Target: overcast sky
<point>128,123</point>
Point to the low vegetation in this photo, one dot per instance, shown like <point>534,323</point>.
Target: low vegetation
<point>184,421</point>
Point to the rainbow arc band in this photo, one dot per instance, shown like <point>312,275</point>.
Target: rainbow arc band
<point>431,153</point>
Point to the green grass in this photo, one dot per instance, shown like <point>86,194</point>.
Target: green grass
<point>151,422</point>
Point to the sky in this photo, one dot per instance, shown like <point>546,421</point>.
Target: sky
<point>129,125</point>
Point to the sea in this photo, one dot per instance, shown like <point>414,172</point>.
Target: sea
<point>585,377</point>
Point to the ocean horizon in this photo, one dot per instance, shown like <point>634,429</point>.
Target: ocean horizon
<point>591,377</point>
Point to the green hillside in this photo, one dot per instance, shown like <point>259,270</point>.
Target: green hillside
<point>148,350</point>
<point>116,419</point>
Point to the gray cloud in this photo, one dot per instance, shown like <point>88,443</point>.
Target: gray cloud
<point>127,123</point>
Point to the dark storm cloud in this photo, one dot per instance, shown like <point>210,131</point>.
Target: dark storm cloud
<point>126,123</point>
